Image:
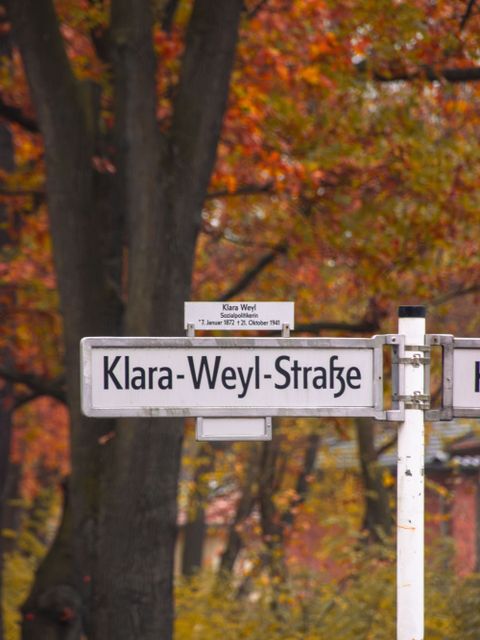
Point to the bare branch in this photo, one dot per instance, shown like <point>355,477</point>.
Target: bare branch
<point>169,14</point>
<point>245,190</point>
<point>258,7</point>
<point>38,386</point>
<point>250,275</point>
<point>369,324</point>
<point>53,85</point>
<point>467,14</point>
<point>386,446</point>
<point>229,236</point>
<point>245,505</point>
<point>16,115</point>
<point>456,293</point>
<point>201,98</point>
<point>426,72</point>
<point>36,193</point>
<point>365,326</point>
<point>24,399</point>
<point>302,484</point>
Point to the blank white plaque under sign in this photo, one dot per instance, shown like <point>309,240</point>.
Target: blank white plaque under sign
<point>234,428</point>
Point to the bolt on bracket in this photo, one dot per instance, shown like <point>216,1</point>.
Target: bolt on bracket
<point>417,400</point>
<point>415,359</point>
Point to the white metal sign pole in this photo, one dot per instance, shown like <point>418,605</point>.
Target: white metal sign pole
<point>410,481</point>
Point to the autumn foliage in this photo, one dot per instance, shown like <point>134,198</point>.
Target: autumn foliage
<point>346,179</point>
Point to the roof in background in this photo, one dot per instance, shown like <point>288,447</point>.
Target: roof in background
<point>439,436</point>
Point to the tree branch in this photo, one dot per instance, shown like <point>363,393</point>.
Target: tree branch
<point>38,386</point>
<point>245,505</point>
<point>245,190</point>
<point>229,236</point>
<point>52,81</point>
<point>365,326</point>
<point>426,72</point>
<point>457,293</point>
<point>252,273</point>
<point>139,181</point>
<point>202,97</point>
<point>370,324</point>
<point>12,193</point>
<point>256,9</point>
<point>169,14</point>
<point>302,484</point>
<point>16,115</point>
<point>24,399</point>
<point>386,446</point>
<point>467,14</point>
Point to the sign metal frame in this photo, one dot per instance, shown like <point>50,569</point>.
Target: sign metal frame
<point>376,344</point>
<point>445,341</point>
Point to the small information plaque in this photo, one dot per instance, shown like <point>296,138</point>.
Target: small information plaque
<point>239,316</point>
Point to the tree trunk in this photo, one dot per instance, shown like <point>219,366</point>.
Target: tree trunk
<point>5,434</point>
<point>53,608</point>
<point>302,485</point>
<point>123,494</point>
<point>377,522</point>
<point>6,391</point>
<point>271,475</point>
<point>196,527</point>
<point>275,524</point>
<point>245,506</point>
<point>12,509</point>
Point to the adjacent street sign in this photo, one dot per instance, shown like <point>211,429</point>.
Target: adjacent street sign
<point>239,316</point>
<point>460,377</point>
<point>466,377</point>
<point>220,377</point>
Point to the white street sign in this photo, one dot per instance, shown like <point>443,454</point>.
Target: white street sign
<point>466,377</point>
<point>219,377</point>
<point>247,316</point>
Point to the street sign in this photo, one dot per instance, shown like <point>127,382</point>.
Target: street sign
<point>220,377</point>
<point>466,377</point>
<point>239,316</point>
<point>250,379</point>
<point>460,379</point>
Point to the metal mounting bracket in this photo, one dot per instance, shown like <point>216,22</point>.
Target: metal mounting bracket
<point>409,355</point>
<point>446,342</point>
<point>415,359</point>
<point>417,400</point>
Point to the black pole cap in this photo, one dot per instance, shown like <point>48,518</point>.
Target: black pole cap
<point>412,311</point>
